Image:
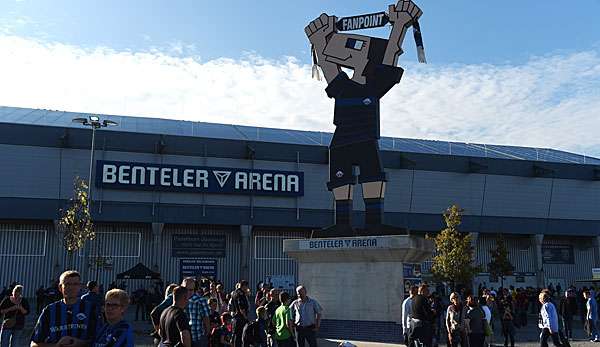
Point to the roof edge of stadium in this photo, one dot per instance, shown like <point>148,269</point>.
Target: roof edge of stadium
<point>175,127</point>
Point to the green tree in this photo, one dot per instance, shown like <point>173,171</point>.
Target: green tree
<point>454,258</point>
<point>500,265</point>
<point>76,220</point>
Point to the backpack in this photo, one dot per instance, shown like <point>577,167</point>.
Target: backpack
<point>251,334</point>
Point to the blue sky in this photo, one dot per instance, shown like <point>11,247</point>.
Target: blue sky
<point>458,31</point>
<point>517,73</point>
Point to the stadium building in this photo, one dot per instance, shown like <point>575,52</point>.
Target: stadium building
<point>186,197</point>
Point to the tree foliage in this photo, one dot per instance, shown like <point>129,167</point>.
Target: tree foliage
<point>76,220</point>
<point>500,265</point>
<point>454,257</point>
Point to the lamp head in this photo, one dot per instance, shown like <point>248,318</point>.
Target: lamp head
<point>83,121</point>
<point>108,123</point>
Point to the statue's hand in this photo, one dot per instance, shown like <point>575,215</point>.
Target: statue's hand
<point>320,29</point>
<point>404,12</point>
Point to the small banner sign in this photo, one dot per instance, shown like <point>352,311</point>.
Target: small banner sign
<point>558,254</point>
<point>363,21</point>
<point>198,268</point>
<point>194,245</point>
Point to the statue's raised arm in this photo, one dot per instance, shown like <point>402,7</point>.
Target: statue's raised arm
<point>402,16</point>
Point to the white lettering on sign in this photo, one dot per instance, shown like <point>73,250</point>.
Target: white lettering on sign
<point>124,174</point>
<point>175,178</point>
<point>363,22</point>
<point>341,244</point>
<point>178,177</point>
<point>267,183</point>
<point>152,171</point>
<point>109,174</point>
<point>241,180</point>
<point>201,178</point>
<point>165,174</point>
<point>188,178</point>
<point>279,182</point>
<point>138,172</point>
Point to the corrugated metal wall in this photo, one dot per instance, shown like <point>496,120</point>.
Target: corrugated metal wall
<point>267,257</point>
<point>228,268</point>
<point>568,273</point>
<point>24,254</point>
<point>520,250</point>
<point>126,245</point>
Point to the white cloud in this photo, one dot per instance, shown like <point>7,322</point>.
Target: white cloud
<point>551,101</point>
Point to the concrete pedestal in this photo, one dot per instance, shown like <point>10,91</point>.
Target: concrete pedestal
<point>358,281</point>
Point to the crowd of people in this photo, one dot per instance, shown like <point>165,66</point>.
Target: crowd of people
<point>470,319</point>
<point>198,312</point>
<point>193,313</point>
<point>202,314</point>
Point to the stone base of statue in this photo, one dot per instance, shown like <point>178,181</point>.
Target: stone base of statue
<point>359,281</point>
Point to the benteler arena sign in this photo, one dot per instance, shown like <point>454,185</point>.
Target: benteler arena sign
<point>197,179</point>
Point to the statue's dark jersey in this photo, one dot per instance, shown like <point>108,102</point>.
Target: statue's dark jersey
<point>356,118</point>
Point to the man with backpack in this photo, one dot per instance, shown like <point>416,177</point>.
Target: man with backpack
<point>255,332</point>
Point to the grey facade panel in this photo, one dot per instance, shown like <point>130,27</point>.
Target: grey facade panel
<point>399,190</point>
<point>73,163</point>
<point>29,171</point>
<point>572,199</point>
<point>316,195</point>
<point>517,196</point>
<point>433,192</point>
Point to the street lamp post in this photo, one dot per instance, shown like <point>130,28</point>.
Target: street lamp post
<point>95,123</point>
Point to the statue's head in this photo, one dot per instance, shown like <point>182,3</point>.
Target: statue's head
<point>357,52</point>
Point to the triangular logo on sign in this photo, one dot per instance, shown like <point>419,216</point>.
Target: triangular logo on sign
<point>222,177</point>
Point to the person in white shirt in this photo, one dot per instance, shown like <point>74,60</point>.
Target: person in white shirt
<point>548,322</point>
<point>406,311</point>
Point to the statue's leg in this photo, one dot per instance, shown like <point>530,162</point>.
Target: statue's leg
<point>373,195</point>
<point>343,204</point>
<point>372,178</point>
<point>341,183</point>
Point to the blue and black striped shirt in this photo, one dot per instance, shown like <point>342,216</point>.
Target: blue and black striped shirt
<point>81,320</point>
<point>118,335</point>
